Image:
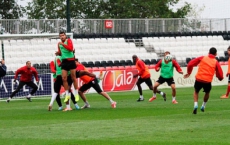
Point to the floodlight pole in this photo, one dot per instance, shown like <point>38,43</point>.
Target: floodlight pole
<point>68,15</point>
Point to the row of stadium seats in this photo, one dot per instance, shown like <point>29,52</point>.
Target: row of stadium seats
<point>152,34</point>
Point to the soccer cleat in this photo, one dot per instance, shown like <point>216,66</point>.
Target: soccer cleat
<point>77,107</point>
<point>60,108</point>
<point>49,108</point>
<point>202,108</point>
<point>164,96</point>
<point>152,98</point>
<point>195,110</point>
<point>174,102</point>
<point>67,97</point>
<point>66,109</point>
<point>85,106</point>
<point>224,97</point>
<point>29,99</point>
<point>139,99</point>
<point>77,98</point>
<point>113,105</point>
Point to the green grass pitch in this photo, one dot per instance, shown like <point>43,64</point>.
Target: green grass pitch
<point>131,123</point>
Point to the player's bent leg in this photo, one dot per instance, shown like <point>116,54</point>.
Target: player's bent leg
<point>65,85</point>
<point>83,97</point>
<point>73,77</point>
<point>225,96</point>
<point>21,84</point>
<point>113,103</point>
<point>173,87</point>
<point>74,102</point>
<point>139,82</point>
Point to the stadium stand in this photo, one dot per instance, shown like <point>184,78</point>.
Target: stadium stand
<point>115,50</point>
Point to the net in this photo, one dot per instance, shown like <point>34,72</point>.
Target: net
<point>39,49</point>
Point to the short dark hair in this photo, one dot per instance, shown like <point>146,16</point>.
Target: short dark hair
<point>212,51</point>
<point>62,32</point>
<point>27,62</point>
<point>76,59</point>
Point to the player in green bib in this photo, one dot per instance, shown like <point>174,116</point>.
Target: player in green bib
<point>66,51</point>
<point>166,75</point>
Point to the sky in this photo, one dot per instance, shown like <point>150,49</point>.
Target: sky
<point>213,8</point>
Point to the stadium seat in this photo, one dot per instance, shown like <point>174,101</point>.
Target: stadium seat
<point>97,63</point>
<point>129,62</point>
<point>153,61</point>
<point>122,63</point>
<point>43,66</point>
<point>110,63</point>
<point>116,63</point>
<point>103,63</point>
<point>90,64</point>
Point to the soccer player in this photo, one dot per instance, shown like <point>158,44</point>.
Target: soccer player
<point>144,74</point>
<point>3,69</point>
<point>66,51</point>
<point>90,81</point>
<point>208,65</point>
<point>225,96</point>
<point>166,75</point>
<point>25,79</point>
<point>56,70</point>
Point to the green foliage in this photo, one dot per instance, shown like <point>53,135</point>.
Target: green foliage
<point>9,9</point>
<point>97,9</point>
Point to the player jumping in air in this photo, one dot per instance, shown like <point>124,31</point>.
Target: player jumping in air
<point>208,65</point>
<point>90,81</point>
<point>56,70</point>
<point>166,75</point>
<point>225,96</point>
<point>27,72</point>
<point>144,74</point>
<point>66,51</point>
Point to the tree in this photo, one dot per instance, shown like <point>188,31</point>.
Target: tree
<point>99,9</point>
<point>9,9</point>
<point>144,9</point>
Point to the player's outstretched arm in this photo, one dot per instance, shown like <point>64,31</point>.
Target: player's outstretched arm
<point>177,66</point>
<point>219,72</point>
<point>158,66</point>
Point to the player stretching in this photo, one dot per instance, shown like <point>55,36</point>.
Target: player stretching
<point>65,49</point>
<point>227,75</point>
<point>25,79</point>
<point>56,70</point>
<point>90,81</point>
<point>208,65</point>
<point>166,65</point>
<point>144,74</point>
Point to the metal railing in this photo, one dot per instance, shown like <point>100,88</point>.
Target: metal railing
<point>88,26</point>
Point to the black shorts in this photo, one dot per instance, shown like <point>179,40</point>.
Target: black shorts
<point>78,74</point>
<point>68,64</point>
<point>94,84</point>
<point>169,81</point>
<point>199,85</point>
<point>147,81</point>
<point>228,78</point>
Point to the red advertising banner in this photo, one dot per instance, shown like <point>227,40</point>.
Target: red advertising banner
<point>119,80</point>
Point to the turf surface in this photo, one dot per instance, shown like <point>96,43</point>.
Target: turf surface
<point>131,123</point>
